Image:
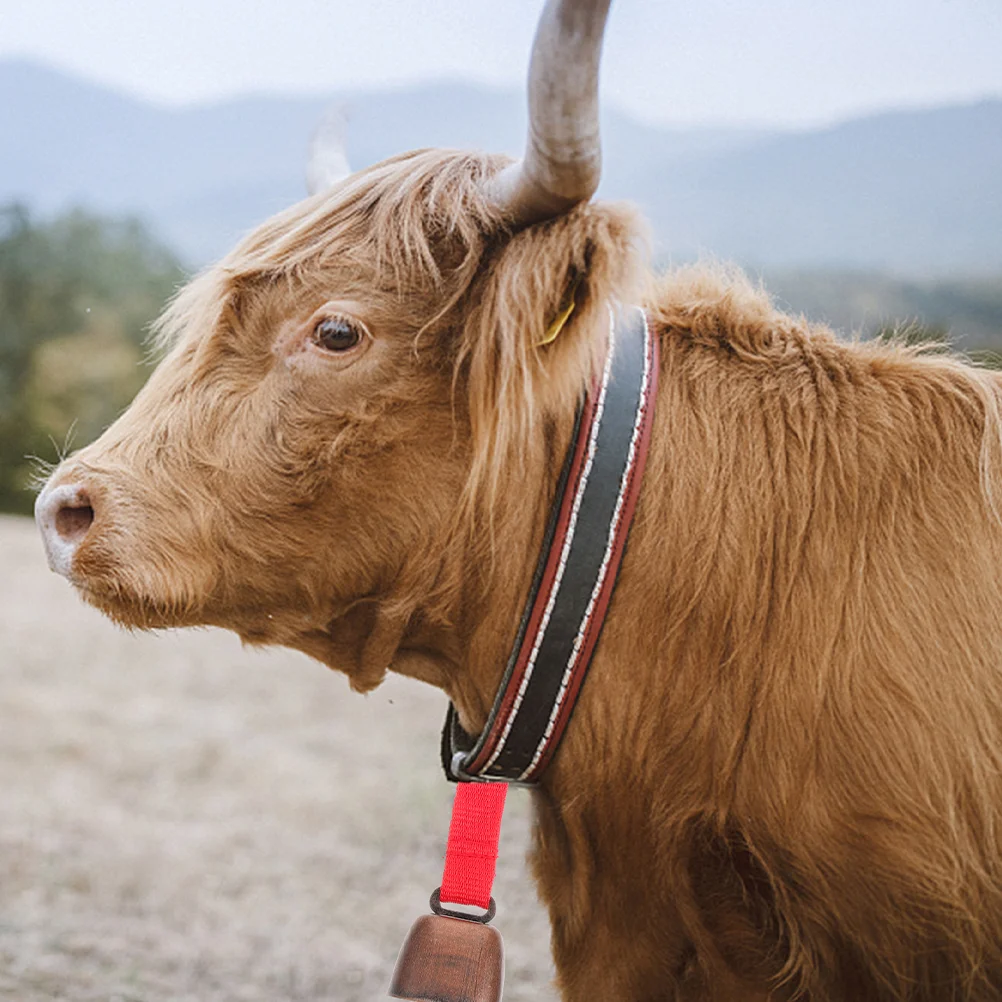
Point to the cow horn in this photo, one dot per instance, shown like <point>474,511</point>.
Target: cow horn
<point>563,156</point>
<point>328,162</point>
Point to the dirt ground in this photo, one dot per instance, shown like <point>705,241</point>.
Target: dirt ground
<point>183,819</point>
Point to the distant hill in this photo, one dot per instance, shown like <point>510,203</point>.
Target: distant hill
<point>912,193</point>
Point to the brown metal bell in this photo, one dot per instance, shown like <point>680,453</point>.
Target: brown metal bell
<point>449,960</point>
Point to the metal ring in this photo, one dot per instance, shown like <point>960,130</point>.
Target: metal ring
<point>456,767</point>
<point>438,908</point>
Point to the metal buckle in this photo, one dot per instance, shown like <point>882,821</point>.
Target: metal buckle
<point>458,774</point>
<point>439,909</point>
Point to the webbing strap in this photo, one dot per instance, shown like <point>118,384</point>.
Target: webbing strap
<point>472,852</point>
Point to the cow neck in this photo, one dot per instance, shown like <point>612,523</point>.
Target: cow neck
<point>575,574</point>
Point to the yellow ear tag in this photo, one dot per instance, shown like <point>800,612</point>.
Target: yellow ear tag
<point>566,309</point>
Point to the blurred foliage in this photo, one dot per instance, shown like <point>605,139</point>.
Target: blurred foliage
<point>76,296</point>
<point>938,338</point>
<point>934,337</point>
<point>966,312</point>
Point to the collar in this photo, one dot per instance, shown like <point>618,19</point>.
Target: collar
<point>576,573</point>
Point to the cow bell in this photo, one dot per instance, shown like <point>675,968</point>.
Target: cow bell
<point>447,959</point>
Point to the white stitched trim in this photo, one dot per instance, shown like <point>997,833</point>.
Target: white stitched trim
<point>610,546</point>
<point>566,548</point>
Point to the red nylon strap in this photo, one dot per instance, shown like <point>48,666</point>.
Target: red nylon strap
<point>472,852</point>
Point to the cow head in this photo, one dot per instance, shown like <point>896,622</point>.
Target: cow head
<point>356,401</point>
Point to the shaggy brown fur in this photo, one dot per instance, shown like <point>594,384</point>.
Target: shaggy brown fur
<point>784,777</point>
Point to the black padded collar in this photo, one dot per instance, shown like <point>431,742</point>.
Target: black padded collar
<point>576,573</point>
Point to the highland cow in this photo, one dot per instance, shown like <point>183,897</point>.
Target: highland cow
<point>784,775</point>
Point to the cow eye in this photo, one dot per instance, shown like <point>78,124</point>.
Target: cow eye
<point>337,333</point>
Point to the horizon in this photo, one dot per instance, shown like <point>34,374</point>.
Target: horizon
<point>208,171</point>
<point>786,64</point>
<point>210,102</point>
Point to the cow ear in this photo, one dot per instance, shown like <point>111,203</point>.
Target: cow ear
<point>328,161</point>
<point>534,326</point>
<point>549,282</point>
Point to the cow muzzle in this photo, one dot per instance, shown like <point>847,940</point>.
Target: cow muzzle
<point>64,515</point>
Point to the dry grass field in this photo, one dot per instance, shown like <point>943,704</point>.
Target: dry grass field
<point>183,819</point>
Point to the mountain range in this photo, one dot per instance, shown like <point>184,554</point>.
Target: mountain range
<point>913,193</point>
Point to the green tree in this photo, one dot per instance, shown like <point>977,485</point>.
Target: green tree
<point>76,297</point>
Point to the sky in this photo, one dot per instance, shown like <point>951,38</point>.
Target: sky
<point>721,62</point>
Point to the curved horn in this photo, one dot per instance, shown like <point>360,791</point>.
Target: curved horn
<point>563,156</point>
<point>328,161</point>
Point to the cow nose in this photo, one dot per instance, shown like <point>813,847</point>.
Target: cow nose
<point>64,516</point>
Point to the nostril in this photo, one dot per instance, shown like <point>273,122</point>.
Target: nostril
<point>73,520</point>
<point>65,515</point>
